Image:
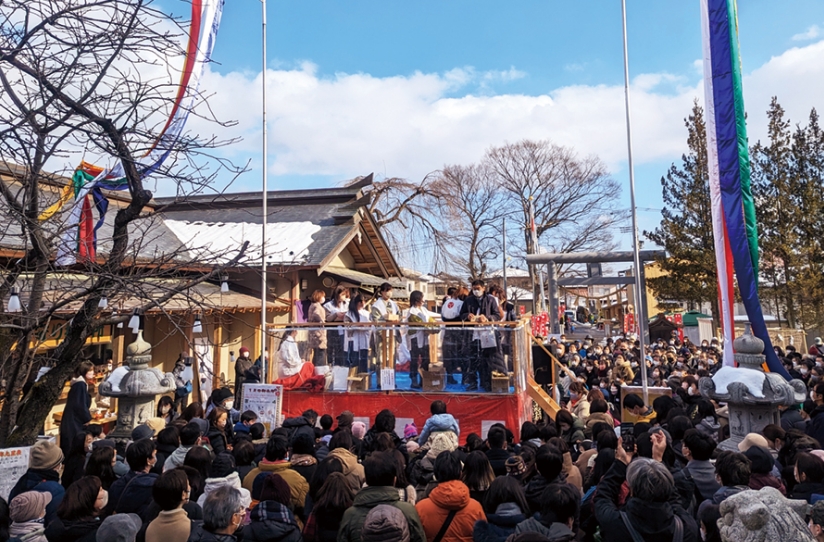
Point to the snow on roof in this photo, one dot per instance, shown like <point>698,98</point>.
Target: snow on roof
<point>518,294</point>
<point>287,242</point>
<point>511,272</point>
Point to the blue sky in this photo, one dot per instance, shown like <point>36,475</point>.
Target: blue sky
<point>401,88</point>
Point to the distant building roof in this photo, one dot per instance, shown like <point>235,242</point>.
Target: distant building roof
<point>511,272</point>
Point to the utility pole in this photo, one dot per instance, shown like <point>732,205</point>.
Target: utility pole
<point>264,287</point>
<point>539,306</point>
<point>640,316</point>
<point>506,290</point>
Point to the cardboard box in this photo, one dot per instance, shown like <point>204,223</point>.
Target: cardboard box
<point>434,379</point>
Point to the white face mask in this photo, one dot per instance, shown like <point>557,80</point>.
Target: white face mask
<point>691,391</point>
<point>105,500</point>
<point>228,405</point>
<point>477,292</point>
<point>165,410</point>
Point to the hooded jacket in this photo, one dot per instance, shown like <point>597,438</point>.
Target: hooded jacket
<point>199,534</point>
<point>352,470</point>
<point>297,483</point>
<point>176,458</point>
<point>448,496</point>
<point>438,422</point>
<point>81,530</point>
<point>137,495</point>
<point>299,426</point>
<point>500,525</point>
<point>555,532</point>
<point>45,480</point>
<point>367,499</point>
<point>233,480</point>
<point>654,521</point>
<point>272,522</point>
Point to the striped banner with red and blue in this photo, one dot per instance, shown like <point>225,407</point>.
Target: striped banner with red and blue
<point>733,209</point>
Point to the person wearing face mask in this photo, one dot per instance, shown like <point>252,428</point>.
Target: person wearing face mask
<point>218,422</point>
<point>78,516</point>
<point>133,492</point>
<point>484,355</point>
<point>317,337</point>
<point>336,309</point>
<point>166,410</point>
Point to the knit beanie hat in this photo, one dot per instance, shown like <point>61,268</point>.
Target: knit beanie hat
<point>276,489</point>
<point>442,441</point>
<point>515,466</point>
<point>28,506</point>
<point>45,455</point>
<point>119,528</point>
<point>410,430</point>
<point>156,424</point>
<point>358,429</point>
<point>220,395</point>
<point>202,424</point>
<point>385,523</point>
<point>244,350</point>
<point>223,465</point>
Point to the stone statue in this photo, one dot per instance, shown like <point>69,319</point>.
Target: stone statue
<point>137,390</point>
<point>764,515</point>
<point>752,395</point>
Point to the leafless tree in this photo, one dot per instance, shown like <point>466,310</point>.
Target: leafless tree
<point>96,77</point>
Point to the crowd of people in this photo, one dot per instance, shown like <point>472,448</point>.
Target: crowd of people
<point>211,475</point>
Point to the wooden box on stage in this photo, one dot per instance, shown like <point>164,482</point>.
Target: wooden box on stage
<point>434,379</point>
<point>500,384</point>
<point>357,381</point>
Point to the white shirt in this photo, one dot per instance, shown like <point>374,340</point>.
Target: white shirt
<point>290,362</point>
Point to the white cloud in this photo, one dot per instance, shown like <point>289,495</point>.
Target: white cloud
<point>352,124</point>
<point>810,34</point>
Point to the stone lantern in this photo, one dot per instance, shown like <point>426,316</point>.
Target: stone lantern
<point>752,396</point>
<point>138,389</point>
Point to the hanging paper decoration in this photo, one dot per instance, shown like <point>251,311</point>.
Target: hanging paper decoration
<point>733,210</point>
<point>79,240</point>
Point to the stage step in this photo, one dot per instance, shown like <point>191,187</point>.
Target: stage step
<point>542,398</point>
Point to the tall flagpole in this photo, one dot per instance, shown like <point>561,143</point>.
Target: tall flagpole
<point>640,317</point>
<point>264,283</point>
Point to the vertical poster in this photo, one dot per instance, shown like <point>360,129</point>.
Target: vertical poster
<point>14,462</point>
<point>267,401</point>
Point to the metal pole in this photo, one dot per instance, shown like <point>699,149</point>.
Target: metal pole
<point>263,280</point>
<point>640,317</point>
<point>554,316</point>
<point>506,290</point>
<point>534,229</point>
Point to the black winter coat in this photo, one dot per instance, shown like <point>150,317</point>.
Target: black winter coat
<point>815,428</point>
<point>496,528</point>
<point>654,521</point>
<point>272,522</point>
<point>84,530</point>
<point>298,426</point>
<point>217,439</point>
<point>791,419</point>
<point>75,415</point>
<point>199,534</point>
<point>163,451</point>
<point>137,495</point>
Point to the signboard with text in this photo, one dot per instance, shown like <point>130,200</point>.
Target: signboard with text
<point>14,462</point>
<point>267,401</point>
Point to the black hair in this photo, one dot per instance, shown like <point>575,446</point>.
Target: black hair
<point>248,416</point>
<point>303,444</point>
<point>169,436</point>
<point>505,489</point>
<point>598,405</point>
<point>257,431</point>
<point>244,452</point>
<point>633,400</point>
<point>353,312</point>
<point>322,472</point>
<point>341,439</point>
<point>415,298</point>
<point>678,427</point>
<point>473,442</point>
<point>385,287</point>
<point>701,446</point>
<point>310,415</point>
<point>529,431</point>
<point>200,459</point>
<point>326,422</point>
<point>276,448</point>
<point>384,422</point>
<point>549,462</point>
<point>447,467</point>
<point>547,432</point>
<point>811,466</point>
<point>139,454</point>
<point>478,282</point>
<point>599,427</point>
<point>100,465</point>
<point>606,440</point>
<point>80,499</point>
<point>168,489</point>
<point>496,437</point>
<point>164,400</point>
<point>196,481</point>
<point>733,468</point>
<point>437,407</point>
<point>379,469</point>
<point>560,503</point>
<point>189,434</point>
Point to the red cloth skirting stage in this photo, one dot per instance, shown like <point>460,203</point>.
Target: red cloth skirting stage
<point>475,413</point>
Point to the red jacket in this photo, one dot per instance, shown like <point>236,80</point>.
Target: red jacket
<point>448,496</point>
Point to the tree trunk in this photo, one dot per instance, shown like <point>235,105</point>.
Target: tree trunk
<point>38,403</point>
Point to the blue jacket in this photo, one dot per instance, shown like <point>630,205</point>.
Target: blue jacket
<point>47,481</point>
<point>439,422</point>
